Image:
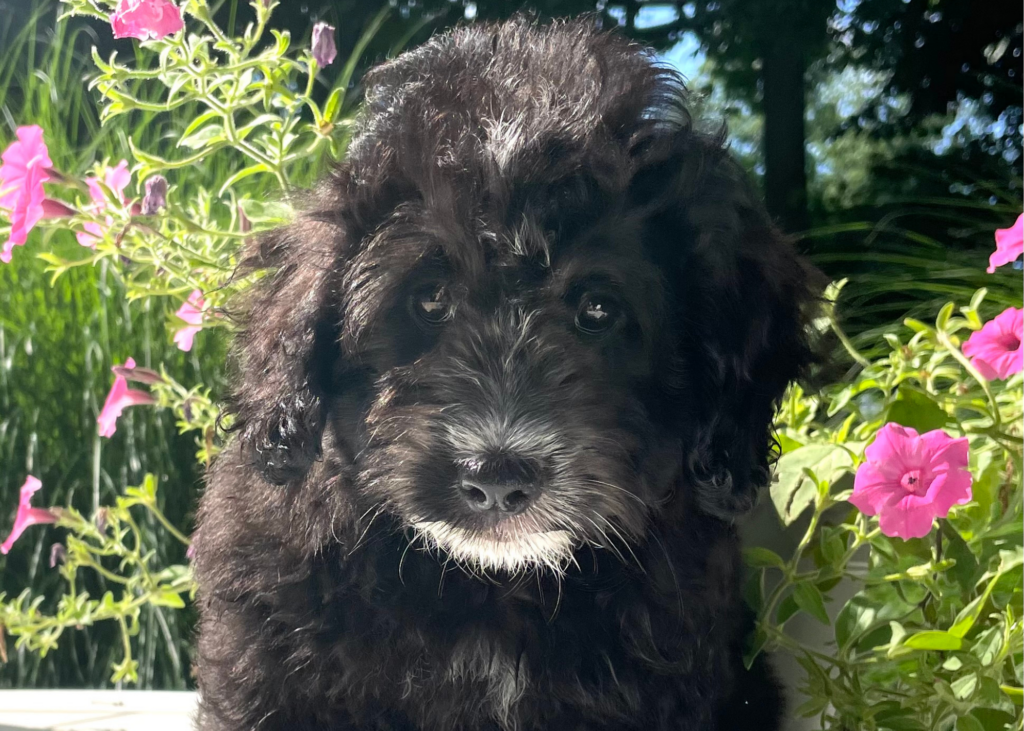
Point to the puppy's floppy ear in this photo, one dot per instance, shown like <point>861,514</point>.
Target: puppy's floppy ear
<point>287,350</point>
<point>742,300</point>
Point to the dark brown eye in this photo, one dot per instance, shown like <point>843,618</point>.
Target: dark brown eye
<point>432,305</point>
<point>597,314</point>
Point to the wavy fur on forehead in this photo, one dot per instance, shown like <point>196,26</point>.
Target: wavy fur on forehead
<point>322,604</point>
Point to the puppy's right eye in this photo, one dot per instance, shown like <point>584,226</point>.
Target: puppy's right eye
<point>432,305</point>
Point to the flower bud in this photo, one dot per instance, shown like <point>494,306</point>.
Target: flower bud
<point>58,554</point>
<point>56,209</point>
<point>100,519</point>
<point>156,195</point>
<point>140,375</point>
<point>322,46</point>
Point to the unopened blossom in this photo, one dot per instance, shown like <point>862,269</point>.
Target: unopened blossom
<point>156,195</point>
<point>137,373</point>
<point>25,167</point>
<point>146,19</point>
<point>57,209</point>
<point>1009,245</point>
<point>58,554</point>
<point>322,45</point>
<point>909,479</point>
<point>116,179</point>
<point>191,312</point>
<point>120,398</point>
<point>995,350</point>
<point>27,515</point>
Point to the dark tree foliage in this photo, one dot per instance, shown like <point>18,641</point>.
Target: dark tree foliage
<point>938,50</point>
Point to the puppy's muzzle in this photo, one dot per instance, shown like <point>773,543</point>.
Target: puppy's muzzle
<point>503,484</point>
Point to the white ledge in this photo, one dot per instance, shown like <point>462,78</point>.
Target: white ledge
<point>97,710</point>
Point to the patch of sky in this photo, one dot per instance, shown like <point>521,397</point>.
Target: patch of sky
<point>686,57</point>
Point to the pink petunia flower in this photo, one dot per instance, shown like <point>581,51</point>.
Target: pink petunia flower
<point>116,179</point>
<point>995,350</point>
<point>1009,245</point>
<point>27,515</point>
<point>120,398</point>
<point>25,168</point>
<point>146,19</point>
<point>192,313</point>
<point>909,479</point>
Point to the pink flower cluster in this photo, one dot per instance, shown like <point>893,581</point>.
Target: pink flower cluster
<point>909,479</point>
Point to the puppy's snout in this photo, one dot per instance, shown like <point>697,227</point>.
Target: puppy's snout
<point>505,484</point>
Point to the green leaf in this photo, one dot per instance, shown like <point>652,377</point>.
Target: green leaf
<point>242,174</point>
<point>199,122</point>
<point>968,722</point>
<point>333,105</point>
<point>809,599</point>
<point>204,137</point>
<point>793,491</point>
<point>167,599</point>
<point>942,321</point>
<point>917,411</point>
<point>762,558</point>
<point>870,608</point>
<point>787,608</point>
<point>269,212</point>
<point>965,570</point>
<point>988,644</point>
<point>127,669</point>
<point>1015,694</point>
<point>964,687</point>
<point>757,643</point>
<point>933,640</point>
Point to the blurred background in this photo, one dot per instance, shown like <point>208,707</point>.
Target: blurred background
<point>886,136</point>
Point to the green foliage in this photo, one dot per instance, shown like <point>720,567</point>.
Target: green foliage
<point>112,545</point>
<point>934,632</point>
<point>58,343</point>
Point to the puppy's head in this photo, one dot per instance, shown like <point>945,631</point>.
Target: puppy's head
<point>533,309</point>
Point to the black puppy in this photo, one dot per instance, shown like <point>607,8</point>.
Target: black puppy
<point>508,380</point>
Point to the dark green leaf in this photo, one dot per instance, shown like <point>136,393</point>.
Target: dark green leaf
<point>760,558</point>
<point>809,599</point>
<point>917,411</point>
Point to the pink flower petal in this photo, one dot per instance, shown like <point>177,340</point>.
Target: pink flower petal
<point>184,337</point>
<point>24,169</point>
<point>116,179</point>
<point>1009,245</point>
<point>191,312</point>
<point>146,19</point>
<point>27,515</point>
<point>871,489</point>
<point>911,517</point>
<point>996,349</point>
<point>120,398</point>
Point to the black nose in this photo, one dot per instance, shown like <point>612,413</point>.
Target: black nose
<point>507,484</point>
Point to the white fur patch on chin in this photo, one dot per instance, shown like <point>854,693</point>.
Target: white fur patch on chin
<point>514,552</point>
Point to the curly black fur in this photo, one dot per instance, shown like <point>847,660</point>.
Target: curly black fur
<point>506,178</point>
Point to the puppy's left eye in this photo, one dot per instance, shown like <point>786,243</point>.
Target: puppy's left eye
<point>597,314</point>
<point>432,305</point>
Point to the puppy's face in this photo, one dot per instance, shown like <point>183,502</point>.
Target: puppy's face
<point>513,411</point>
<point>533,310</point>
